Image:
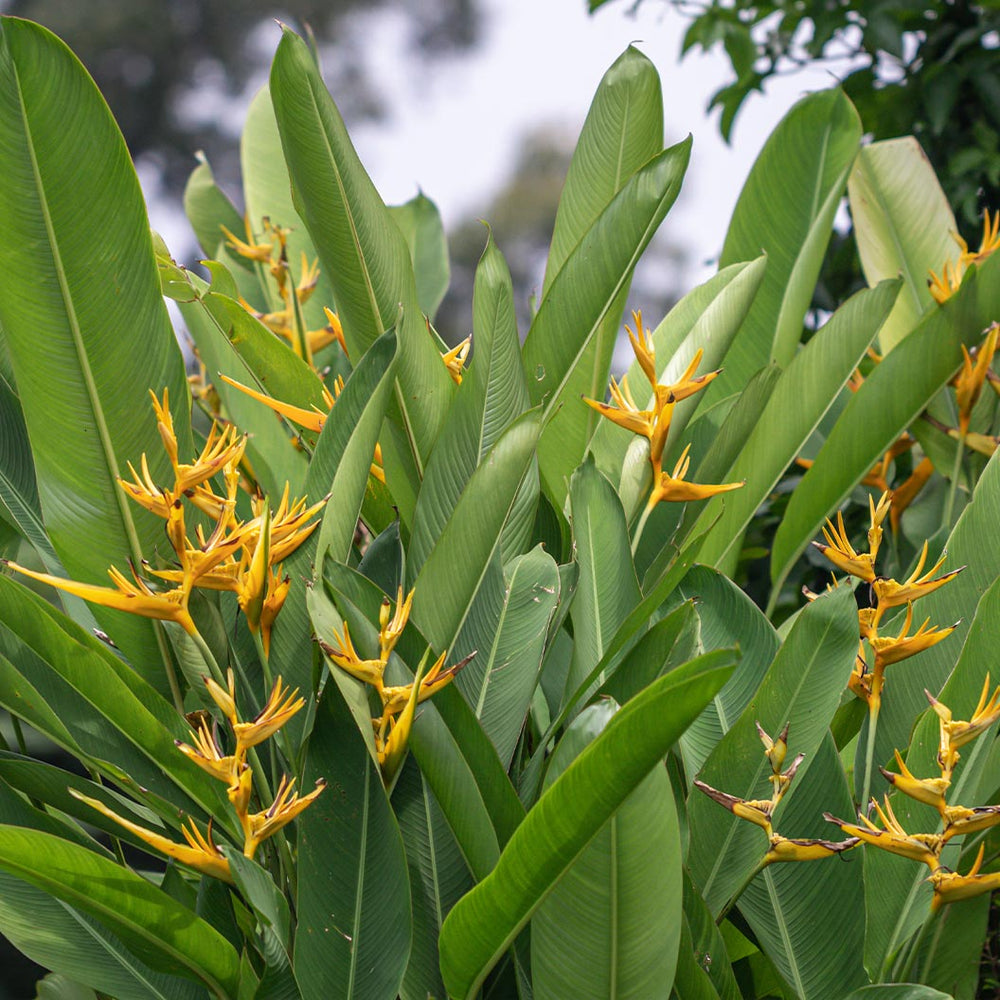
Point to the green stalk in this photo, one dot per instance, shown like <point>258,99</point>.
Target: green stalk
<point>758,868</point>
<point>873,714</point>
<point>913,951</point>
<point>640,527</point>
<point>956,470</point>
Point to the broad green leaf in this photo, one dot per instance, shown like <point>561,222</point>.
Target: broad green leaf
<point>607,588</point>
<point>507,628</point>
<point>802,688</point>
<point>361,248</point>
<point>493,393</point>
<point>420,223</point>
<point>710,955</point>
<point>485,922</point>
<point>803,393</point>
<point>611,925</point>
<point>807,158</point>
<point>784,904</point>
<point>447,583</point>
<point>93,703</point>
<point>898,897</point>
<point>896,991</point>
<point>623,129</point>
<point>891,397</point>
<point>268,193</point>
<point>706,319</point>
<point>594,274</point>
<point>903,225</point>
<point>438,877</point>
<point>339,469</point>
<point>353,934</point>
<point>162,933</point>
<point>84,323</point>
<point>728,618</point>
<point>59,937</point>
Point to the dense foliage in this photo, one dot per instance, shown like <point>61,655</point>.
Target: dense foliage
<point>425,669</point>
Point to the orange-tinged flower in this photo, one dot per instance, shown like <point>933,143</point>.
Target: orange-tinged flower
<point>277,591</point>
<point>840,552</point>
<point>280,707</point>
<point>942,288</point>
<point>225,698</point>
<point>347,658</point>
<point>675,488</point>
<point>956,733</point>
<point>145,492</point>
<point>286,806</point>
<point>240,792</point>
<point>970,379</point>
<point>454,360</point>
<point>253,581</point>
<point>990,240</point>
<point>311,420</point>
<point>206,754</point>
<point>931,791</point>
<point>949,887</point>
<point>623,410</point>
<point>248,248</point>
<point>334,328</point>
<point>689,383</point>
<point>922,847</point>
<point>891,594</point>
<point>308,279</point>
<point>390,629</point>
<point>200,853</point>
<point>136,598</point>
<point>395,699</point>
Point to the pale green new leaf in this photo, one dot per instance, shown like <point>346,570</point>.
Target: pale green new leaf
<point>903,226</point>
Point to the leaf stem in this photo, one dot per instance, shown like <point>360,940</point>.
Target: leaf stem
<point>757,869</point>
<point>956,470</point>
<point>873,714</point>
<point>641,526</point>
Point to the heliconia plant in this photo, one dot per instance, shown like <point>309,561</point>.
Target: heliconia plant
<point>424,670</point>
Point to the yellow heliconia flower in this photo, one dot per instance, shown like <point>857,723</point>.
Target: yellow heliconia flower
<point>390,629</point>
<point>395,699</point>
<point>891,594</point>
<point>757,811</point>
<point>200,853</point>
<point>624,412</point>
<point>206,754</point>
<point>931,791</point>
<point>135,597</point>
<point>783,849</point>
<point>347,658</point>
<point>972,376</point>
<point>950,886</point>
<point>942,288</point>
<point>955,734</point>
<point>454,360</point>
<point>248,248</point>
<point>923,847</point>
<point>675,488</point>
<point>277,591</point>
<point>904,494</point>
<point>333,329</point>
<point>225,698</point>
<point>280,707</point>
<point>960,820</point>
<point>311,420</point>
<point>308,279</point>
<point>286,806</point>
<point>775,750</point>
<point>892,649</point>
<point>840,552</point>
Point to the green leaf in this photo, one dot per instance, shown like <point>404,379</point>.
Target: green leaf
<point>208,209</point>
<point>447,583</point>
<point>808,158</point>
<point>783,904</point>
<point>268,193</point>
<point>353,934</point>
<point>728,618</point>
<point>607,588</point>
<point>623,129</point>
<point>438,877</point>
<point>896,991</point>
<point>903,225</point>
<point>59,937</point>
<point>163,933</point>
<point>611,924</point>
<point>84,323</point>
<point>709,956</point>
<point>484,923</point>
<point>891,397</point>
<point>420,223</point>
<point>507,628</point>
<point>802,688</point>
<point>557,363</point>
<point>492,395</point>
<point>804,392</point>
<point>361,248</point>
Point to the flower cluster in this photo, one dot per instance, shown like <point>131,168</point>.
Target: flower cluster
<point>398,703</point>
<point>950,280</point>
<point>760,811</point>
<point>867,681</point>
<point>201,852</point>
<point>239,556</point>
<point>654,423</point>
<point>272,251</point>
<point>956,820</point>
